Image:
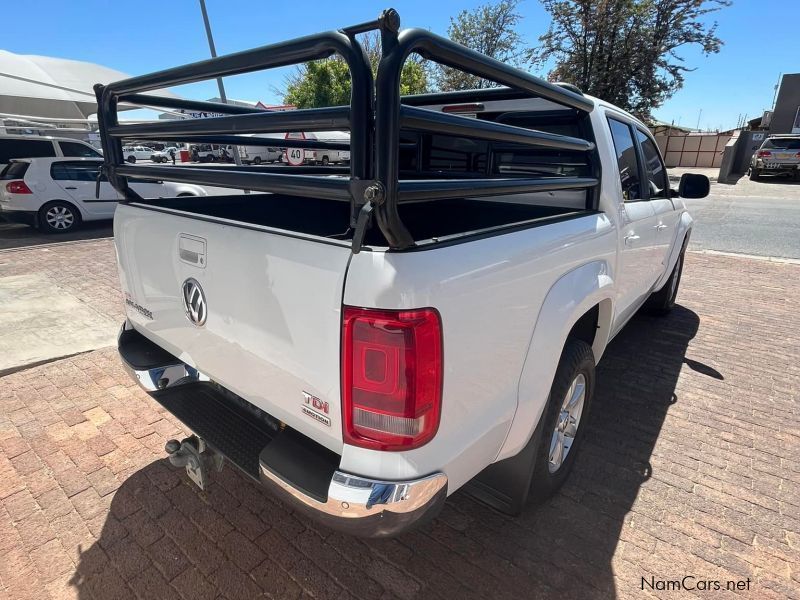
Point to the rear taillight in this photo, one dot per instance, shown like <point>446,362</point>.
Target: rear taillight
<point>18,187</point>
<point>391,377</point>
<point>764,153</point>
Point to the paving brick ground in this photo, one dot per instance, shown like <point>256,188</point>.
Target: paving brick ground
<point>690,468</point>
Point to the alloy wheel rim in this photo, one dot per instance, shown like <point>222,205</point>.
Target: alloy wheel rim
<point>567,423</point>
<point>59,217</point>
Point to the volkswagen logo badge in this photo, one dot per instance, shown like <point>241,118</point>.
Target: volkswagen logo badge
<point>194,302</point>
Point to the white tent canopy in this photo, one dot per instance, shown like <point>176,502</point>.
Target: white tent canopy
<point>51,88</point>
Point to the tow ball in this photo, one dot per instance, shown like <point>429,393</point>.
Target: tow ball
<point>200,460</point>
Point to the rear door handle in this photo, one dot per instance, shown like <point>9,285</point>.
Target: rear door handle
<point>660,226</point>
<point>630,239</point>
<point>70,187</point>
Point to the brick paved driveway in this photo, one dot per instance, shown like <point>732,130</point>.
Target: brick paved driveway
<point>690,468</point>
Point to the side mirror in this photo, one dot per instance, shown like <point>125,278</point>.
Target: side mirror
<point>693,186</point>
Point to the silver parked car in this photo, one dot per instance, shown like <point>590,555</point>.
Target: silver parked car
<point>778,155</point>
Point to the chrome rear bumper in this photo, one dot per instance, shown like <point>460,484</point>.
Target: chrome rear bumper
<point>292,466</point>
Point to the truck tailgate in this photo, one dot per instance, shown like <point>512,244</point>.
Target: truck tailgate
<point>273,310</point>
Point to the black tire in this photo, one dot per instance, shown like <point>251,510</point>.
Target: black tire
<point>257,160</point>
<point>577,359</point>
<point>49,221</point>
<point>660,303</point>
<point>131,159</point>
<point>755,174</point>
<point>325,161</point>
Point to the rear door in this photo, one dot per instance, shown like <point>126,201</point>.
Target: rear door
<point>78,179</point>
<point>273,326</point>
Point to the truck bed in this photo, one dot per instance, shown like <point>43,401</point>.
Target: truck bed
<point>325,218</point>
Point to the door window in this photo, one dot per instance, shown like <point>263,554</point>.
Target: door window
<point>76,149</point>
<point>75,171</point>
<point>627,160</point>
<point>658,182</point>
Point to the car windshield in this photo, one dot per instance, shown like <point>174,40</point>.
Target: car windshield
<point>783,143</point>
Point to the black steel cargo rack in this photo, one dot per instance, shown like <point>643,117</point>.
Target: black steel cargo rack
<point>375,117</point>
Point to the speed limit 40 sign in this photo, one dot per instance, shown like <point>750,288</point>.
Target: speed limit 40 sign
<point>294,156</point>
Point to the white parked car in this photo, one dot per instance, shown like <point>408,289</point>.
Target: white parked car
<point>163,156</point>
<point>57,194</point>
<point>317,156</point>
<point>256,155</point>
<point>37,146</point>
<point>365,345</point>
<point>134,153</point>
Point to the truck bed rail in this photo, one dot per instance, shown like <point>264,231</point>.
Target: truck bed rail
<point>375,117</point>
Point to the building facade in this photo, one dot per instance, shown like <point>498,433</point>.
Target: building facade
<point>786,116</point>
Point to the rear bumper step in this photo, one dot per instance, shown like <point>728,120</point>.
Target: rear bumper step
<point>294,467</point>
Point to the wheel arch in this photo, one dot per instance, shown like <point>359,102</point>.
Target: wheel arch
<point>682,235</point>
<point>579,305</point>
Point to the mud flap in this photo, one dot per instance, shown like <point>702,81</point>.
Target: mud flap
<point>505,485</point>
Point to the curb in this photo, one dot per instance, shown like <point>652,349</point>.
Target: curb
<point>772,259</point>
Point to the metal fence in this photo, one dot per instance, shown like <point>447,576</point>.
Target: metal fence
<point>693,150</point>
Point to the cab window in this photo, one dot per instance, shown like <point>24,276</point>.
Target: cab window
<point>76,149</point>
<point>20,148</point>
<point>75,171</point>
<point>627,160</point>
<point>657,180</point>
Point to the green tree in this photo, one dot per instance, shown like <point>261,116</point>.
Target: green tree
<point>626,51</point>
<point>489,29</point>
<point>327,82</point>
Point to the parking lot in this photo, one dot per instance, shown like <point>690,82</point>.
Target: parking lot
<point>690,466</point>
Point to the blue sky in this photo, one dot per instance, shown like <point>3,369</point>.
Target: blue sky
<point>146,35</point>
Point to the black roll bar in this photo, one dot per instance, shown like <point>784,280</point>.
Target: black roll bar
<point>375,116</point>
<point>357,117</point>
<point>390,115</point>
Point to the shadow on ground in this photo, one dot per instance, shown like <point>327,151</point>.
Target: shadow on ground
<point>15,235</point>
<point>236,540</point>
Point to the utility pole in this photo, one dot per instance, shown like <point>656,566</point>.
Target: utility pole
<point>700,114</point>
<point>236,158</point>
<point>775,95</point>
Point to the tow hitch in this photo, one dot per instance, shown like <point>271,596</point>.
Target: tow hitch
<point>197,457</point>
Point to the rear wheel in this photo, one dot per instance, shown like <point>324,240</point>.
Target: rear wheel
<point>564,418</point>
<point>131,159</point>
<point>325,161</point>
<point>754,174</point>
<point>59,217</point>
<point>257,160</point>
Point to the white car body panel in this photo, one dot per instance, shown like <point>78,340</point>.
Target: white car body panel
<point>280,327</point>
<point>507,303</point>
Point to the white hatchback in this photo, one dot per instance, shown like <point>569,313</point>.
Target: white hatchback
<point>57,194</point>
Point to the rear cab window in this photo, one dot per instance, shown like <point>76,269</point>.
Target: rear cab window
<point>627,159</point>
<point>15,170</point>
<point>782,143</point>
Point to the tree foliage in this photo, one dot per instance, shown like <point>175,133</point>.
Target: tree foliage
<point>626,51</point>
<point>327,82</point>
<point>489,29</point>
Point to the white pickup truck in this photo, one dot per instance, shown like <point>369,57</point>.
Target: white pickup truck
<point>367,343</point>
